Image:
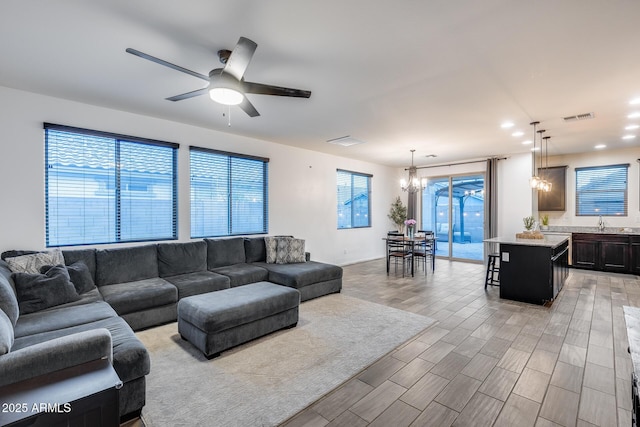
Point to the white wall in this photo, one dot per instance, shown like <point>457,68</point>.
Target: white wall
<point>514,194</point>
<point>598,158</point>
<point>302,183</point>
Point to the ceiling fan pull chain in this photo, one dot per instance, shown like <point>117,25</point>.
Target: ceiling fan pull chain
<point>229,115</point>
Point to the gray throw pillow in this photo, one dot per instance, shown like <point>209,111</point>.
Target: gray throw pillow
<point>290,251</point>
<point>79,275</point>
<point>6,334</point>
<point>33,262</point>
<point>36,292</point>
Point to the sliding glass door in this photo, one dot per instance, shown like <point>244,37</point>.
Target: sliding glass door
<point>453,208</point>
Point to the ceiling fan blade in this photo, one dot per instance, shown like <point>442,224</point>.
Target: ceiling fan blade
<point>188,94</point>
<point>248,108</point>
<point>262,89</point>
<point>166,64</point>
<point>240,57</point>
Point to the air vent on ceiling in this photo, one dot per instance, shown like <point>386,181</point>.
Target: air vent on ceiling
<point>577,117</point>
<point>345,141</point>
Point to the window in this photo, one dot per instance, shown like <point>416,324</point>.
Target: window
<point>601,190</point>
<point>353,199</point>
<point>108,188</point>
<point>228,193</point>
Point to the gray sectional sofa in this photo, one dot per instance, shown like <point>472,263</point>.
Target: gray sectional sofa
<point>135,288</point>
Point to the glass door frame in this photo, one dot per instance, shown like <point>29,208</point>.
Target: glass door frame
<point>450,212</point>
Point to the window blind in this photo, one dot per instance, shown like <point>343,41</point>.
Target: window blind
<point>353,190</point>
<point>229,193</point>
<point>602,190</point>
<point>108,188</point>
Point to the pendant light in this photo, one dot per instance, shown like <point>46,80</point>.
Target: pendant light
<point>548,184</point>
<point>542,183</point>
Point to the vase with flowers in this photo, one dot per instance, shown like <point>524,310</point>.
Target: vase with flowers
<point>411,227</point>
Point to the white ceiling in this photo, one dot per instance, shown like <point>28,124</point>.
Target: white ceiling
<point>438,76</point>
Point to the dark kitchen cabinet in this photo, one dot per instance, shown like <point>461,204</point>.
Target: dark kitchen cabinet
<point>532,273</point>
<point>584,251</point>
<point>614,254</point>
<point>555,199</point>
<point>634,258</point>
<point>604,252</point>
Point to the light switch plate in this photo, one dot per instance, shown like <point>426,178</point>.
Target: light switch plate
<point>505,257</point>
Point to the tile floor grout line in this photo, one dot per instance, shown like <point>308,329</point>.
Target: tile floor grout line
<point>586,292</point>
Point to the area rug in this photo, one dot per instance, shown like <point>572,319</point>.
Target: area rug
<point>268,380</point>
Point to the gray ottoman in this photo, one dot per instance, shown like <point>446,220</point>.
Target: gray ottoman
<point>217,321</point>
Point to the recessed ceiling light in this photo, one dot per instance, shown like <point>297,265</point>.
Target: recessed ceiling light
<point>634,115</point>
<point>535,149</point>
<point>628,137</point>
<point>517,133</point>
<point>527,142</point>
<point>634,101</point>
<point>600,146</point>
<point>632,127</point>
<point>506,125</point>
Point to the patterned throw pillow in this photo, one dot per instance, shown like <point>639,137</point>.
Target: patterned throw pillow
<point>33,262</point>
<point>271,244</point>
<point>290,250</point>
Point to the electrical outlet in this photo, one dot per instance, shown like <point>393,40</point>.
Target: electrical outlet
<point>505,257</point>
<point>345,251</point>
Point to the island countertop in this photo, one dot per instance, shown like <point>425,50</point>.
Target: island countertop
<point>550,240</point>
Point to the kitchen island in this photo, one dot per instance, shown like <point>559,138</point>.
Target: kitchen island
<point>532,270</point>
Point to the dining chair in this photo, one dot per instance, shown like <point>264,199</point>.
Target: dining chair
<point>425,249</point>
<point>398,250</point>
<point>434,241</point>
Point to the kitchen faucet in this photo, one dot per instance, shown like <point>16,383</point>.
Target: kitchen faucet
<point>600,223</point>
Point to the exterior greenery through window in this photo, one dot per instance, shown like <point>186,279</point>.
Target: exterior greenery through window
<point>602,190</point>
<point>354,204</point>
<point>229,193</point>
<point>108,188</point>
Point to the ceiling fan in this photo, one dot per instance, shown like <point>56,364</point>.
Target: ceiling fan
<point>226,85</point>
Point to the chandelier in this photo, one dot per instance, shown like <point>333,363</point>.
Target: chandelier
<point>414,184</point>
<point>536,182</point>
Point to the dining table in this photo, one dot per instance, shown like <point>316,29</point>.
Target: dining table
<point>413,242</point>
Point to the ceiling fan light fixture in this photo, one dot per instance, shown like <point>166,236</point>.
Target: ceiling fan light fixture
<point>225,96</point>
<point>224,89</point>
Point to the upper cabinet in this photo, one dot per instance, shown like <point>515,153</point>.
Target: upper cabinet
<point>553,200</point>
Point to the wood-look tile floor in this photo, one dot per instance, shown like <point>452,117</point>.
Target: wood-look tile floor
<point>490,362</point>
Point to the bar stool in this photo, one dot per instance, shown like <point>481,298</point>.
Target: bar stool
<point>493,271</point>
